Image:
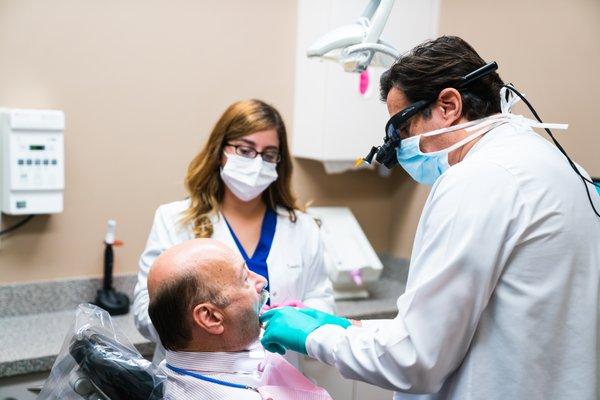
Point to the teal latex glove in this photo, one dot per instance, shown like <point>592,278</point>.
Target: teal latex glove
<point>325,318</point>
<point>286,329</point>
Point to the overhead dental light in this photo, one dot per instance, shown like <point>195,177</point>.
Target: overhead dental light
<point>358,45</point>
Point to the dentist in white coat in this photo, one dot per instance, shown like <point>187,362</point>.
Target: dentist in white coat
<point>240,194</point>
<point>502,299</point>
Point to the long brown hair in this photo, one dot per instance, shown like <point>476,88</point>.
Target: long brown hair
<point>203,181</point>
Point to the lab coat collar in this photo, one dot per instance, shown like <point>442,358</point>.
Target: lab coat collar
<point>485,139</point>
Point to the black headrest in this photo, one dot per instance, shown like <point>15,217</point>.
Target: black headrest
<point>115,369</point>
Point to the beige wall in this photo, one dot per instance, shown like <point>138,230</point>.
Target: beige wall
<point>142,82</point>
<point>550,49</point>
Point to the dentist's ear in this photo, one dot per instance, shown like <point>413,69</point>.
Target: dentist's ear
<point>209,318</point>
<point>449,104</point>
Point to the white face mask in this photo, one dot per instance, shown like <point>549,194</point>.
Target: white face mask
<point>247,178</point>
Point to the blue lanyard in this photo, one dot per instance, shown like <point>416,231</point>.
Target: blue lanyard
<point>196,375</point>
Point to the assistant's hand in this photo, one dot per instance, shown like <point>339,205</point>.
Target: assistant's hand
<point>287,329</point>
<point>325,318</point>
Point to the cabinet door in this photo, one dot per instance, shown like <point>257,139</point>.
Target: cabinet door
<point>364,391</point>
<point>16,387</point>
<point>332,120</point>
<point>328,378</point>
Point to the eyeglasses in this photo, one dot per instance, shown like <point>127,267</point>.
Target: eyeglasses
<point>270,155</point>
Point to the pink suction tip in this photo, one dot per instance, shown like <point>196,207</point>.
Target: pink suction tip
<point>363,85</point>
<point>356,277</point>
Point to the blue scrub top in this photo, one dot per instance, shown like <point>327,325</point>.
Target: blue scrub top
<point>258,262</point>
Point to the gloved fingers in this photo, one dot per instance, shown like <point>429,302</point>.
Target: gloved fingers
<point>269,343</point>
<point>275,348</point>
<point>265,317</point>
<point>311,312</point>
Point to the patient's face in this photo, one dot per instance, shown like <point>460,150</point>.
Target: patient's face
<point>241,322</point>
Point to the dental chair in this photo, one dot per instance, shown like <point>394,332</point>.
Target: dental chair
<point>109,370</point>
<point>98,362</point>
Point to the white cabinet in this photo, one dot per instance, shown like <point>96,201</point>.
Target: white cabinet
<point>364,391</point>
<point>17,387</point>
<point>332,120</point>
<point>338,387</point>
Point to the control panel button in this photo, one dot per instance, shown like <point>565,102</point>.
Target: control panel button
<point>29,162</point>
<point>21,162</point>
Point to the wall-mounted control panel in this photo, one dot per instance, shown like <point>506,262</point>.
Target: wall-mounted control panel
<point>32,159</point>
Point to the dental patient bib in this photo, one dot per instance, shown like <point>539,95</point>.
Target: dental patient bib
<point>279,381</point>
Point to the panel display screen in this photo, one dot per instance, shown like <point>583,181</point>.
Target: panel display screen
<point>37,147</point>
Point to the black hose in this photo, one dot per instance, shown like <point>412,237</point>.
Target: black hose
<point>17,225</point>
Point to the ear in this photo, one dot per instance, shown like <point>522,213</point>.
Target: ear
<point>450,105</point>
<point>208,318</point>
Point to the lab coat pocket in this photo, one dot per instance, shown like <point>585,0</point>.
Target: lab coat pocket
<point>291,285</point>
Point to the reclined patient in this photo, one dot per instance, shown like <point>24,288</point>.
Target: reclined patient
<point>204,305</point>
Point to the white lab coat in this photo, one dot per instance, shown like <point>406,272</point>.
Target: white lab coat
<point>295,263</point>
<point>502,299</point>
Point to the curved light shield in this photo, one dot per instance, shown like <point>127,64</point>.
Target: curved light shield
<point>356,46</point>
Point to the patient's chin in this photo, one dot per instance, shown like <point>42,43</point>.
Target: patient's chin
<point>248,329</point>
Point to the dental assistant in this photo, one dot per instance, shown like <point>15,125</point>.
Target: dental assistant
<point>239,188</point>
<point>502,298</point>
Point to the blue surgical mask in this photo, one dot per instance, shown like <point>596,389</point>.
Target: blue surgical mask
<point>426,168</point>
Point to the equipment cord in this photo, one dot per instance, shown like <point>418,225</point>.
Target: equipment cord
<point>17,225</point>
<point>560,148</point>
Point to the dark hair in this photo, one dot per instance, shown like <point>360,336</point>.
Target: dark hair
<point>171,308</point>
<point>437,64</point>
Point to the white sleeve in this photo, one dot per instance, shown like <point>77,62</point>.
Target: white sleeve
<point>466,233</point>
<point>318,290</point>
<point>158,241</point>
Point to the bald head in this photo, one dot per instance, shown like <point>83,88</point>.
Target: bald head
<point>209,259</point>
<point>199,271</point>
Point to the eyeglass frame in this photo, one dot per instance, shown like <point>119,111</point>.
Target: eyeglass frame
<point>236,146</point>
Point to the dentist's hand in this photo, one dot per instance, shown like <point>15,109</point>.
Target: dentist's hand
<point>324,318</point>
<point>287,329</point>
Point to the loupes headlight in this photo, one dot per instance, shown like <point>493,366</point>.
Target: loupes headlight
<point>385,154</point>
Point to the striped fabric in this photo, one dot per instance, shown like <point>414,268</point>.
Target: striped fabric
<point>236,367</point>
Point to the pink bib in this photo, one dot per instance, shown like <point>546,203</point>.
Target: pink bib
<point>281,381</point>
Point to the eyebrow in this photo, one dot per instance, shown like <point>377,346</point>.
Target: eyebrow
<point>253,144</point>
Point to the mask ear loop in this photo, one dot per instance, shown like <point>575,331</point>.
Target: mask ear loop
<point>466,125</point>
<point>507,99</point>
<point>478,133</point>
